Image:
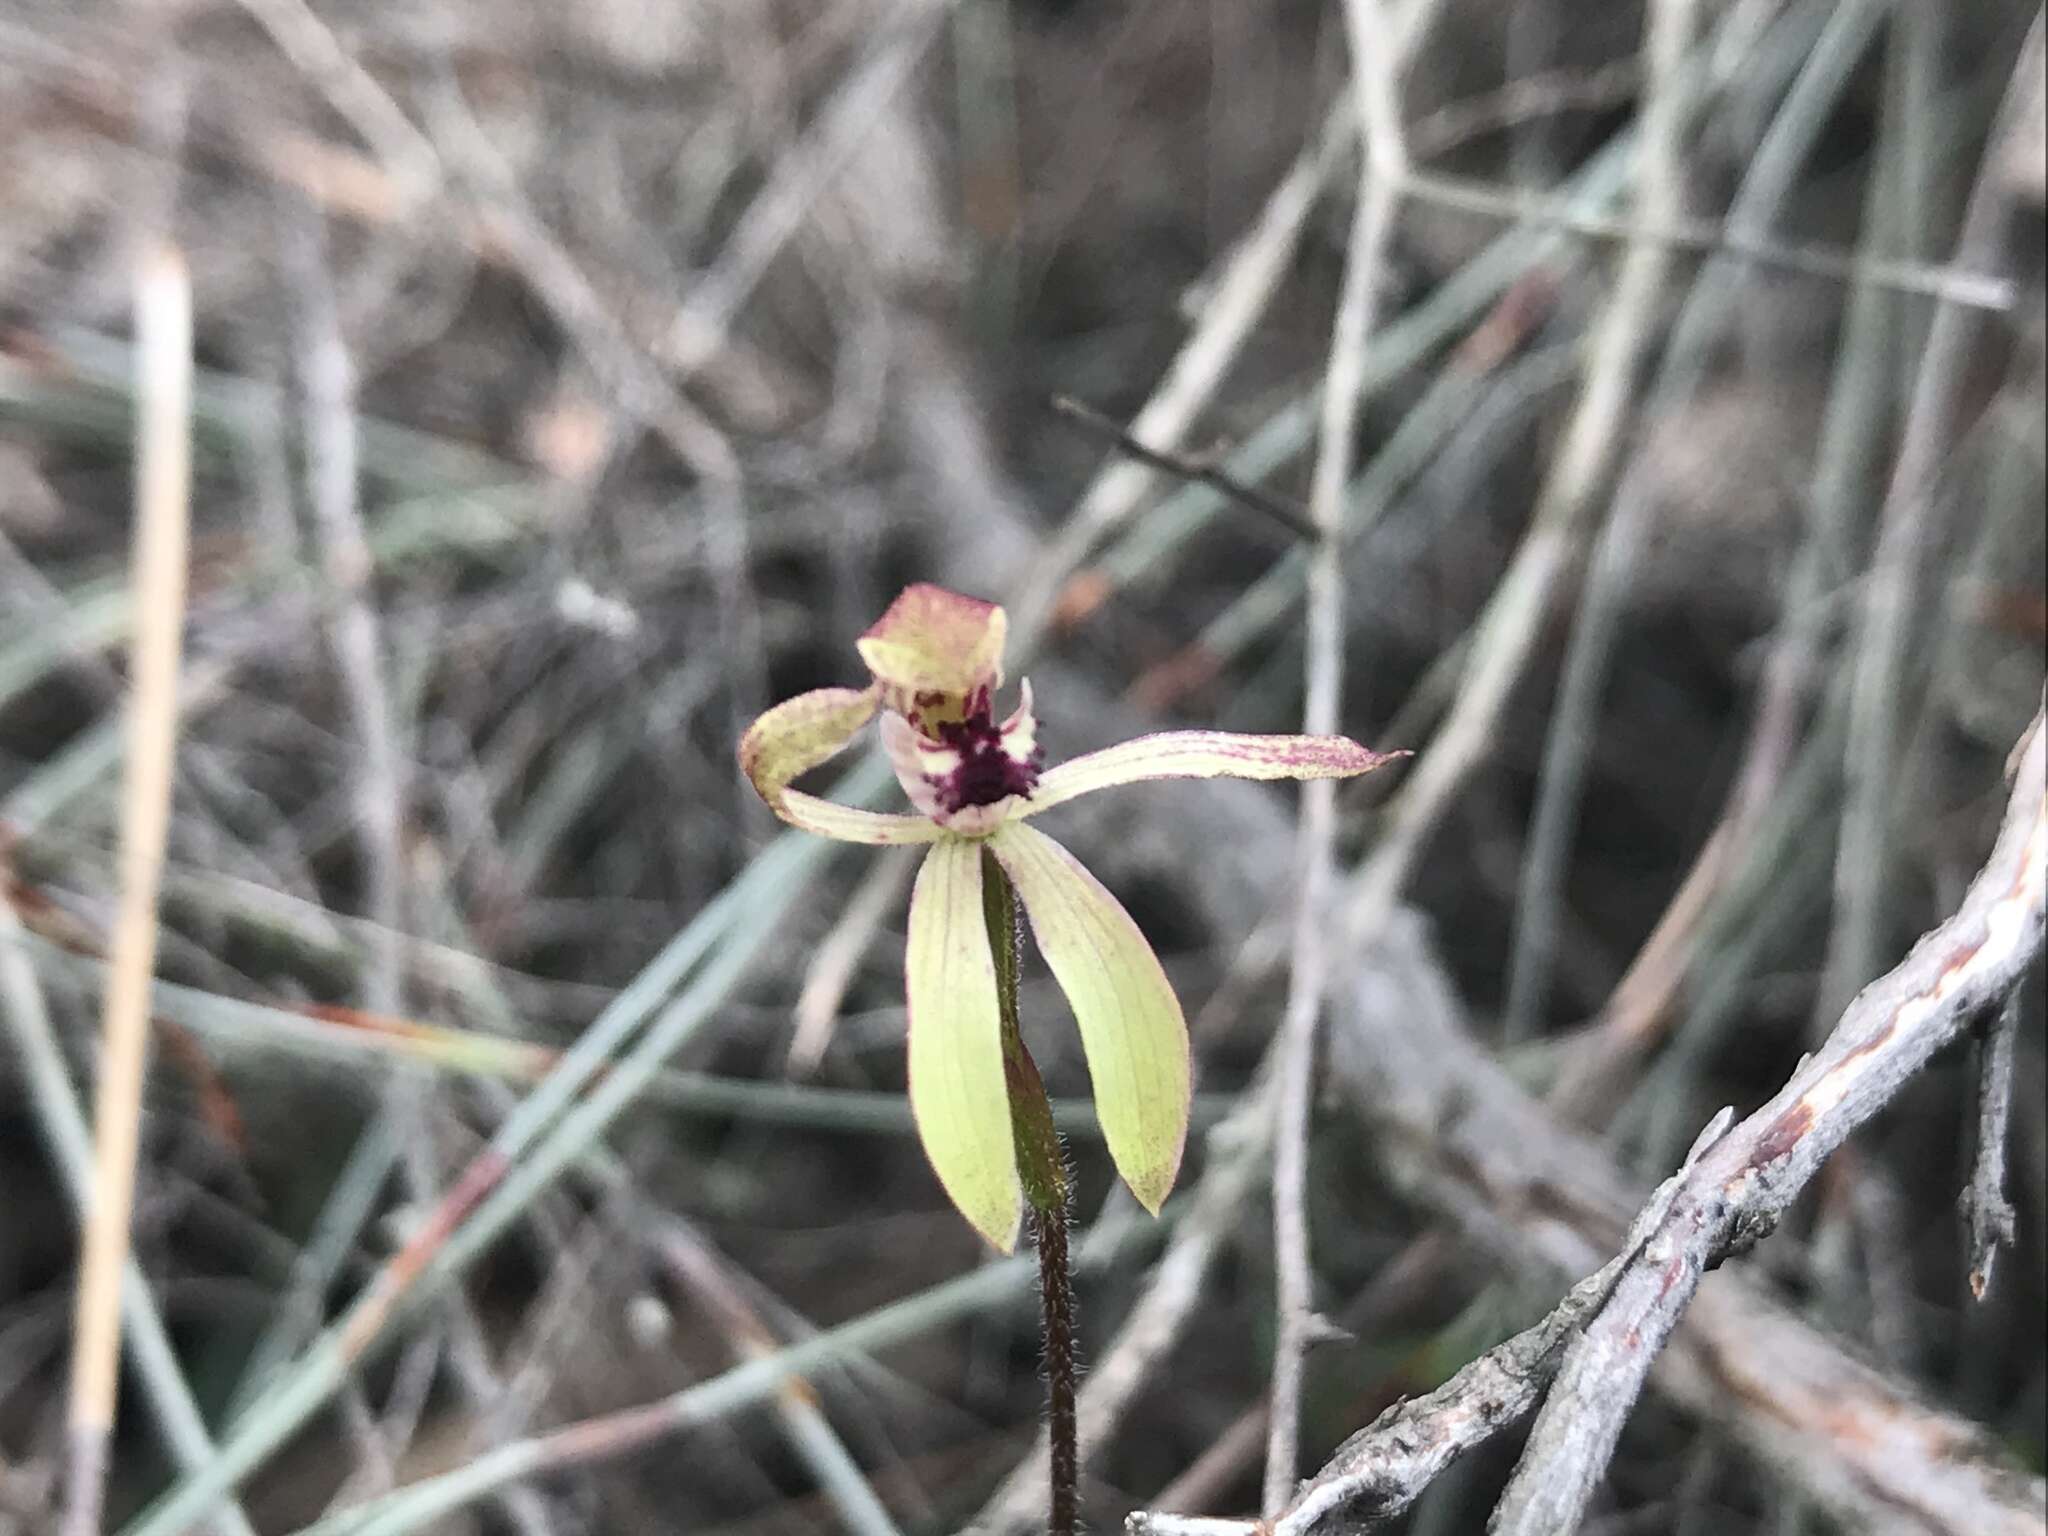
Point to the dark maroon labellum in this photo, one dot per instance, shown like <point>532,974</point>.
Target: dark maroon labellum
<point>986,773</point>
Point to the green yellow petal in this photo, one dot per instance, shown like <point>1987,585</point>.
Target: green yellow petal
<point>1131,1025</point>
<point>957,1088</point>
<point>795,737</point>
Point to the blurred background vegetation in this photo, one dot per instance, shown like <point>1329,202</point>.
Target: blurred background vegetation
<point>575,381</point>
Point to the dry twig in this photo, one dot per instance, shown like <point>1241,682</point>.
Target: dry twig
<point>1859,1443</point>
<point>163,317</point>
<point>1985,1207</point>
<point>1883,668</point>
<point>1743,1186</point>
<point>1958,284</point>
<point>1514,614</point>
<point>1733,1189</point>
<point>1238,299</point>
<point>1199,470</point>
<point>1618,552</point>
<point>838,956</point>
<point>1376,72</point>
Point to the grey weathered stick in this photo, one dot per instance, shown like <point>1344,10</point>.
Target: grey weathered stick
<point>1908,529</point>
<point>1989,1213</point>
<point>1956,283</point>
<point>1505,636</point>
<point>1375,67</point>
<point>354,639</point>
<point>1475,1146</point>
<point>1381,1470</point>
<point>1457,1133</point>
<point>1741,1188</point>
<point>1613,571</point>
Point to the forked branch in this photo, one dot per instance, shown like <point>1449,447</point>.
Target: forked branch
<point>1601,1340</point>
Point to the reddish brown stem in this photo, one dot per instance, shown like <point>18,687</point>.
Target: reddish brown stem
<point>1042,1170</point>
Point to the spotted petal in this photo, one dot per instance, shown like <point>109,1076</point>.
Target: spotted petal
<point>974,773</point>
<point>1130,1022</point>
<point>1203,755</point>
<point>957,1088</point>
<point>795,737</point>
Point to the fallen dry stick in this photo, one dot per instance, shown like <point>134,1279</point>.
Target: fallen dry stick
<point>1742,1187</point>
<point>1467,1140</point>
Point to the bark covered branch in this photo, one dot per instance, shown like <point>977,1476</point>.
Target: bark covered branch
<point>1740,1188</point>
<point>1464,1138</point>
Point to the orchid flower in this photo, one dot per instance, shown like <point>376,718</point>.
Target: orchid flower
<point>975,784</point>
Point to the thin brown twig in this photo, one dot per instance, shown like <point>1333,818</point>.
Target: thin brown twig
<point>1238,298</point>
<point>1286,514</point>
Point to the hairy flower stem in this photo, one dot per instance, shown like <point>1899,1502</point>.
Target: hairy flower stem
<point>1042,1170</point>
<point>1056,1290</point>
